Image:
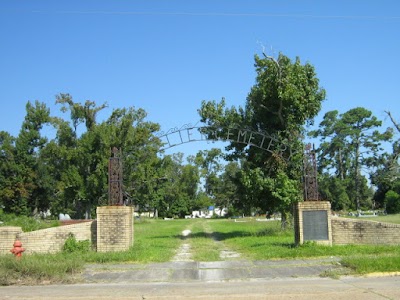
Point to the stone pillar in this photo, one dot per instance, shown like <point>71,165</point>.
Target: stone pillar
<point>114,228</point>
<point>8,235</point>
<point>312,222</point>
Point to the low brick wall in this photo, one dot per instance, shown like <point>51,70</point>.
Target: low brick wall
<point>7,238</point>
<point>351,231</point>
<point>50,240</point>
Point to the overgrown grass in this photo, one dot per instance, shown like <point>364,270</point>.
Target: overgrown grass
<point>154,241</point>
<point>26,223</point>
<point>203,246</point>
<point>39,269</point>
<point>371,264</point>
<point>157,241</point>
<point>265,241</point>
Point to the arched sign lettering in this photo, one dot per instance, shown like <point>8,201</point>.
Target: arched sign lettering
<point>189,133</point>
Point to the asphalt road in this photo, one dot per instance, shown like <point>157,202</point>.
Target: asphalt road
<point>232,279</point>
<point>283,288</point>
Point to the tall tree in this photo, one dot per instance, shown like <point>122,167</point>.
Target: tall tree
<point>349,142</point>
<point>387,175</point>
<point>27,149</point>
<point>11,187</point>
<point>80,113</point>
<point>286,97</point>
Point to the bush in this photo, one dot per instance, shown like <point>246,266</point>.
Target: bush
<point>71,245</point>
<point>392,200</point>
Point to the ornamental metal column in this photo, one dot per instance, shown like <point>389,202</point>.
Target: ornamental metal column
<point>312,217</point>
<point>115,180</point>
<point>115,221</point>
<point>310,174</point>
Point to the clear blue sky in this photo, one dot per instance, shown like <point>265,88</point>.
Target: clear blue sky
<point>167,56</point>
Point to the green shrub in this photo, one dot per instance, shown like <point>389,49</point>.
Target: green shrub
<point>71,245</point>
<point>392,200</point>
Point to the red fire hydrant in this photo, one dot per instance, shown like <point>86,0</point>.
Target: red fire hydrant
<point>17,250</point>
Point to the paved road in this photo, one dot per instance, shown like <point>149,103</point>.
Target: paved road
<point>190,271</point>
<point>293,279</point>
<point>283,288</point>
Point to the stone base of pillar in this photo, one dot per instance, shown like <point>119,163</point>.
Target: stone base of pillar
<point>312,222</point>
<point>114,228</point>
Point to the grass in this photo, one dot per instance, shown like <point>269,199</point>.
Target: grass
<point>372,264</point>
<point>39,269</point>
<point>265,240</point>
<point>154,241</point>
<point>26,223</point>
<point>388,218</point>
<point>157,241</point>
<point>203,243</point>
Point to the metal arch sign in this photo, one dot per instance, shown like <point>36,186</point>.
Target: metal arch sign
<point>189,133</point>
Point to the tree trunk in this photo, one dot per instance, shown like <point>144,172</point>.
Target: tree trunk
<point>284,220</point>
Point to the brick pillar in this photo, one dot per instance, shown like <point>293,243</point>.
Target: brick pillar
<point>313,222</point>
<point>8,234</point>
<point>114,228</point>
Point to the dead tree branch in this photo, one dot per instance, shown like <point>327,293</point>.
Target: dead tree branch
<point>393,121</point>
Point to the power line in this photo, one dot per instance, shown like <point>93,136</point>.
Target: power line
<point>210,14</point>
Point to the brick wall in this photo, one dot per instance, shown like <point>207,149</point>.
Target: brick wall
<point>351,231</point>
<point>50,240</point>
<point>7,238</point>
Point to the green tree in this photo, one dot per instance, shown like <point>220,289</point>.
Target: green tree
<point>128,130</point>
<point>11,187</point>
<point>82,162</point>
<point>28,186</point>
<point>334,189</point>
<point>349,142</point>
<point>227,195</point>
<point>387,174</point>
<point>209,162</point>
<point>178,186</point>
<point>80,113</point>
<point>286,97</point>
<point>392,201</point>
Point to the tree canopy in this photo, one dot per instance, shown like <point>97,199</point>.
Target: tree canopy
<point>68,173</point>
<point>285,98</point>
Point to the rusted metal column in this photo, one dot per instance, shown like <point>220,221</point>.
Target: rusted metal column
<point>310,174</point>
<point>115,194</point>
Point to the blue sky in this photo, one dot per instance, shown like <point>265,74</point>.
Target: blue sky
<point>168,56</point>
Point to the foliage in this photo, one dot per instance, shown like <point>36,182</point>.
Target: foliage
<point>349,143</point>
<point>285,97</point>
<point>71,245</point>
<point>392,200</point>
<point>157,241</point>
<point>39,269</point>
<point>362,264</point>
<point>26,223</point>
